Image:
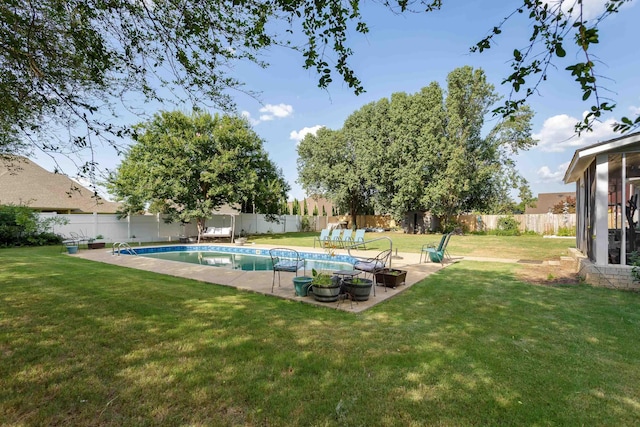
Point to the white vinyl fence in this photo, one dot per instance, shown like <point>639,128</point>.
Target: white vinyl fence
<point>152,228</point>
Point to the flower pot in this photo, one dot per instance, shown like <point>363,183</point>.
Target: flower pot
<point>302,284</point>
<point>326,293</point>
<point>358,289</point>
<point>72,249</point>
<point>391,278</point>
<point>95,245</point>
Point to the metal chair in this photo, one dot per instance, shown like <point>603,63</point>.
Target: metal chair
<point>437,253</point>
<point>374,265</point>
<point>359,238</point>
<point>284,259</point>
<point>347,238</point>
<point>322,239</point>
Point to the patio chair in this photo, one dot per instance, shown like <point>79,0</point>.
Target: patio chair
<point>284,259</point>
<point>358,239</point>
<point>437,253</point>
<point>347,238</point>
<point>335,238</point>
<point>374,265</point>
<point>79,237</point>
<point>322,239</point>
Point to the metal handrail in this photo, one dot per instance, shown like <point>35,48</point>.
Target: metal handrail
<point>355,245</point>
<point>117,246</point>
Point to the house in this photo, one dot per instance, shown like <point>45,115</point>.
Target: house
<point>607,178</point>
<point>546,202</point>
<point>22,182</point>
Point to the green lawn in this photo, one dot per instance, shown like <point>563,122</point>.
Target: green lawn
<point>84,343</point>
<point>531,247</point>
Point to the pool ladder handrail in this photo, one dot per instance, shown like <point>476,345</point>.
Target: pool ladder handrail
<point>118,246</point>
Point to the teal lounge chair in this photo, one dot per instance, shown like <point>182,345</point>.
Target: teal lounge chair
<point>436,253</point>
<point>322,239</point>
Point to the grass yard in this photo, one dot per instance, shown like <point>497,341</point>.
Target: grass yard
<point>530,247</point>
<point>83,343</point>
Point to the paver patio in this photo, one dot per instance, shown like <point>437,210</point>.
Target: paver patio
<point>260,281</point>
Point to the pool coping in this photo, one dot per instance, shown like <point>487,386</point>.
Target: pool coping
<point>260,281</point>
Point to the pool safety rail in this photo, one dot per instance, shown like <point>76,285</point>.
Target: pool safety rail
<point>119,246</point>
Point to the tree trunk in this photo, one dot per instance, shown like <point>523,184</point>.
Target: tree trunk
<point>201,222</point>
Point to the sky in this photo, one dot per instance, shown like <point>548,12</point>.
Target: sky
<point>404,53</point>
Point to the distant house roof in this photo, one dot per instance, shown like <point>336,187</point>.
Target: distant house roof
<point>23,182</point>
<point>546,202</point>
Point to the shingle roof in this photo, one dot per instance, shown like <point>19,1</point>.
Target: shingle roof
<point>546,202</point>
<point>23,182</point>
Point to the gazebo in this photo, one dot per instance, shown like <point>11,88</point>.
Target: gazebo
<point>607,177</point>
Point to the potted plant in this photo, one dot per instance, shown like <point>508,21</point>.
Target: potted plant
<point>391,278</point>
<point>358,288</point>
<point>325,288</point>
<point>302,285</point>
<point>95,244</point>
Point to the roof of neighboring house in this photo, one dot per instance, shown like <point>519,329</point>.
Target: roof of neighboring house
<point>546,202</point>
<point>583,157</point>
<point>23,182</point>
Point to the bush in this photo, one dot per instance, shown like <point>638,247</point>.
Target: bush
<point>305,223</point>
<point>566,231</point>
<point>21,226</point>
<point>507,226</point>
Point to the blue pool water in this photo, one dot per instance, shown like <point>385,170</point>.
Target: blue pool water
<point>241,258</point>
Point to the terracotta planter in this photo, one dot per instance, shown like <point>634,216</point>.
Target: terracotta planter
<point>391,278</point>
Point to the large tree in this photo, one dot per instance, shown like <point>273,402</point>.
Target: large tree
<point>329,165</point>
<point>71,62</point>
<point>185,166</point>
<point>424,151</point>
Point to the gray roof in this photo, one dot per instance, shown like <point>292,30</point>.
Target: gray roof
<point>23,182</point>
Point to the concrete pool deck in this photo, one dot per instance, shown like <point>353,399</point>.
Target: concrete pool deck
<point>260,281</point>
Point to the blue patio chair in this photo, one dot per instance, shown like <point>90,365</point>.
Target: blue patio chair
<point>358,239</point>
<point>347,238</point>
<point>335,237</point>
<point>322,239</point>
<point>284,259</point>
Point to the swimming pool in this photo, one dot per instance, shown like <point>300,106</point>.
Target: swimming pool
<point>240,258</point>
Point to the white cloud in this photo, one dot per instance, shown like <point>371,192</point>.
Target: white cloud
<point>590,8</point>
<point>558,134</point>
<point>547,176</point>
<point>272,111</point>
<point>634,110</point>
<point>251,120</point>
<point>300,134</point>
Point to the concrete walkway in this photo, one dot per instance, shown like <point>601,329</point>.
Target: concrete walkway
<point>260,281</point>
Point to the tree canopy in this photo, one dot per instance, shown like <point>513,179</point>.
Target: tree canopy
<point>423,151</point>
<point>187,166</point>
<point>71,63</point>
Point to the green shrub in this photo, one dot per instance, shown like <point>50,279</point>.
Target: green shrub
<point>507,226</point>
<point>21,226</point>
<point>566,231</point>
